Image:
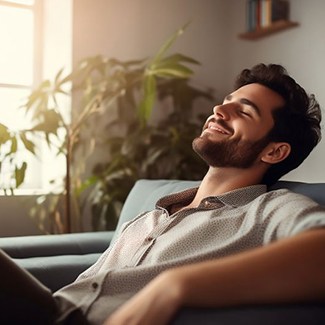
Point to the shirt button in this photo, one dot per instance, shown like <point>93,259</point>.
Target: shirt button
<point>149,238</point>
<point>94,285</point>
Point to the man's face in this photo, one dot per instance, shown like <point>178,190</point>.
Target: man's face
<point>236,133</point>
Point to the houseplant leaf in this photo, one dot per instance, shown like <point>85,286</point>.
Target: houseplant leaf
<point>147,103</point>
<point>20,174</point>
<point>168,44</point>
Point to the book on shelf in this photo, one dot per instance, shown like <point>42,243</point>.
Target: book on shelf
<point>262,13</point>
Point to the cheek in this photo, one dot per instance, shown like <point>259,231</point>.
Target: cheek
<point>205,125</point>
<point>254,131</point>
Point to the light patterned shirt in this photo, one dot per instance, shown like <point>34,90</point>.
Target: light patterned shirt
<point>157,240</point>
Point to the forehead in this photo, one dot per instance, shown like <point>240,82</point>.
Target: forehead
<point>263,97</point>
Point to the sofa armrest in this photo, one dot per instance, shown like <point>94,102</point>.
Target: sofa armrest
<point>57,260</point>
<point>57,271</point>
<point>52,245</point>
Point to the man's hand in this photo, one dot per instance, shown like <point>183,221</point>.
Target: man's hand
<point>154,304</point>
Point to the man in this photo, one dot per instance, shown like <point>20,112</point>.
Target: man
<point>228,242</point>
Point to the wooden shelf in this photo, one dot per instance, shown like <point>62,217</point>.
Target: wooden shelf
<point>277,26</point>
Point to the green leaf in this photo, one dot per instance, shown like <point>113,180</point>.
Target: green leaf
<point>173,70</point>
<point>90,181</point>
<point>4,134</point>
<point>146,105</point>
<point>29,145</point>
<point>50,124</point>
<point>14,145</point>
<point>126,64</point>
<point>20,174</point>
<point>154,155</point>
<point>58,76</point>
<point>38,100</point>
<point>176,58</point>
<point>167,45</point>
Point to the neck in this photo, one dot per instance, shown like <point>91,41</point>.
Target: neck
<point>221,180</point>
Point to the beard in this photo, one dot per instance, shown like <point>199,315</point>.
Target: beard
<point>234,153</point>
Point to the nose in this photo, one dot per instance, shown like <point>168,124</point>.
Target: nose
<point>223,111</point>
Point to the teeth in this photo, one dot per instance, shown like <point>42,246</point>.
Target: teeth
<point>217,129</point>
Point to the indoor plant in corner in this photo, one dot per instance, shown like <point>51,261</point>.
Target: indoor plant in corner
<point>114,118</point>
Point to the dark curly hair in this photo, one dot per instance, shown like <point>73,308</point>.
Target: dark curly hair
<point>297,122</point>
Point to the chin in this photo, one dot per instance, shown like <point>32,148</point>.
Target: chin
<point>200,143</point>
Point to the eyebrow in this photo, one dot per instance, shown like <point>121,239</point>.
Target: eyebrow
<point>247,102</point>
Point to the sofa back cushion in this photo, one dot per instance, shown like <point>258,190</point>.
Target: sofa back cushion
<point>145,194</point>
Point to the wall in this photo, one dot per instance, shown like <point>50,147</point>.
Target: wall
<point>136,29</point>
<point>14,217</point>
<point>301,50</point>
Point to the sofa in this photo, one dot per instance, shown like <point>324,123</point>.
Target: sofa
<point>56,260</point>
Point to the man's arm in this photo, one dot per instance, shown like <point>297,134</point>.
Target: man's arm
<point>286,271</point>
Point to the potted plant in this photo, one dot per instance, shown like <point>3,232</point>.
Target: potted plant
<point>113,117</point>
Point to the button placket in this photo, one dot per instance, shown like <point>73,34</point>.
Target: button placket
<point>149,241</point>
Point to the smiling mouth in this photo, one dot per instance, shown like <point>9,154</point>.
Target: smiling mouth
<point>217,128</point>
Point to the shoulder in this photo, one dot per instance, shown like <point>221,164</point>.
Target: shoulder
<point>287,213</point>
<point>285,197</point>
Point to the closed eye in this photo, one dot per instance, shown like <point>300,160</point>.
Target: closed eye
<point>248,103</point>
<point>245,113</point>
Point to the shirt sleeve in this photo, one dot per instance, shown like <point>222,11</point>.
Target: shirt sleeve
<point>287,214</point>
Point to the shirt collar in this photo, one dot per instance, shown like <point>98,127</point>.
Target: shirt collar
<point>235,198</point>
<point>242,195</point>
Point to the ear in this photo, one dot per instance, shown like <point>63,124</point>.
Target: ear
<point>275,152</point>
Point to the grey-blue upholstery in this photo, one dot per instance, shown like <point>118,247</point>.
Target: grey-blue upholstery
<point>56,260</point>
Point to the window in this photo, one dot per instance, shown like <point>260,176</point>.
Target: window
<point>18,65</point>
<point>35,38</point>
